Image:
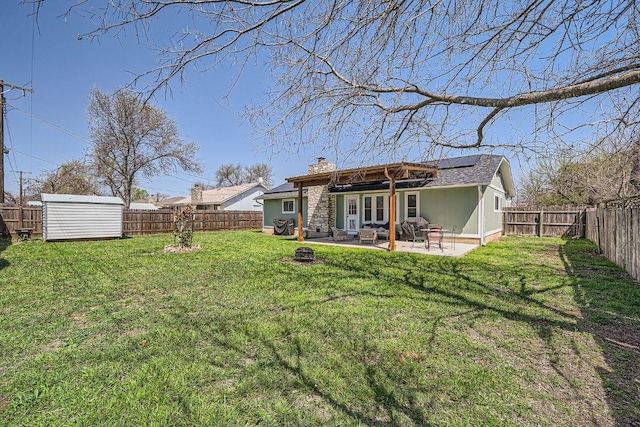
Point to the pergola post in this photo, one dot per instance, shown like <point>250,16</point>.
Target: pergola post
<point>300,234</point>
<point>392,210</point>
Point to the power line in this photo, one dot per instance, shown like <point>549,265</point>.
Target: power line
<point>2,149</point>
<point>85,141</point>
<point>34,157</point>
<point>54,126</point>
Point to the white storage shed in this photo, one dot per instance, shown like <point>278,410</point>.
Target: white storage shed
<point>69,216</point>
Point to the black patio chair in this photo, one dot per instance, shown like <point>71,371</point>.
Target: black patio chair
<point>413,234</point>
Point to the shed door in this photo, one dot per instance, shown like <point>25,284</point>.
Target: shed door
<point>352,222</point>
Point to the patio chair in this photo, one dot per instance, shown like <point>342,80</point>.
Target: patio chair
<point>413,234</point>
<point>368,235</point>
<point>338,234</point>
<point>434,235</point>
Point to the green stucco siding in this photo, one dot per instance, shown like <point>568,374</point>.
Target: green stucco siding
<point>451,207</point>
<point>492,218</point>
<point>340,211</point>
<point>273,209</point>
<point>497,181</point>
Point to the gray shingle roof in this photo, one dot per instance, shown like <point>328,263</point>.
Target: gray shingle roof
<point>481,172</point>
<point>283,191</point>
<point>453,172</point>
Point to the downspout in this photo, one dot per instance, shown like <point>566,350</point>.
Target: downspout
<point>481,215</point>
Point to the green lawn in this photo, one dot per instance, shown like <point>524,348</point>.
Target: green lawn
<point>521,332</point>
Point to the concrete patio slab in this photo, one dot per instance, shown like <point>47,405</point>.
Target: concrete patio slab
<point>448,248</point>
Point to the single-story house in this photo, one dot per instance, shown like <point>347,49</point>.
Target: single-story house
<point>167,203</point>
<point>234,198</point>
<point>464,195</point>
<point>140,205</point>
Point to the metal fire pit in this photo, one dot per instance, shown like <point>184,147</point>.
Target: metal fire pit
<point>304,254</point>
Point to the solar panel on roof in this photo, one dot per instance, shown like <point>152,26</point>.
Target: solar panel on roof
<point>458,162</point>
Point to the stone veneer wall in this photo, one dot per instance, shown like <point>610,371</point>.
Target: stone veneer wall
<point>320,209</point>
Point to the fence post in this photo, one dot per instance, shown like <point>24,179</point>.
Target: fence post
<point>540,222</point>
<point>598,231</point>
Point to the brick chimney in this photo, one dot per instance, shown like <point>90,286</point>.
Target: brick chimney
<point>321,166</point>
<point>196,194</point>
<point>319,204</point>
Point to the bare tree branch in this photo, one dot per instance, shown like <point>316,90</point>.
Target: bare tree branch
<point>420,75</point>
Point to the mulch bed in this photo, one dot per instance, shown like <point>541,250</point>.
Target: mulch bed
<point>175,249</point>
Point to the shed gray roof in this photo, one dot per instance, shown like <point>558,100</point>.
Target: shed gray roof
<point>75,198</point>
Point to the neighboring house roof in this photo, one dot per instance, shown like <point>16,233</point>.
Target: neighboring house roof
<point>168,202</point>
<point>143,206</point>
<point>284,191</point>
<point>218,196</point>
<point>453,172</point>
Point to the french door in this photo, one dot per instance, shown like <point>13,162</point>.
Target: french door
<point>352,221</point>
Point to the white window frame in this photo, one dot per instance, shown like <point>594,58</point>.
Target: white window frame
<point>364,208</point>
<point>374,208</point>
<point>406,204</point>
<point>293,203</point>
<point>497,199</point>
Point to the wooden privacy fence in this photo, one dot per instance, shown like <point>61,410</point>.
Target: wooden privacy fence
<point>153,222</point>
<point>136,222</point>
<point>616,232</point>
<point>10,219</point>
<point>568,223</point>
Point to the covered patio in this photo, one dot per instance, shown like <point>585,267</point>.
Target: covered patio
<point>372,174</point>
<point>449,249</point>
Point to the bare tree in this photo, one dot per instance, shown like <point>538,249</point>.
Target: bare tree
<point>395,76</point>
<point>259,171</point>
<point>603,173</point>
<point>132,138</point>
<point>72,177</point>
<point>229,174</point>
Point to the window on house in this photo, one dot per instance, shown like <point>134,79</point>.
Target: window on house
<point>374,209</point>
<point>367,209</point>
<point>380,209</point>
<point>352,207</point>
<point>412,205</point>
<point>497,203</point>
<point>288,206</point>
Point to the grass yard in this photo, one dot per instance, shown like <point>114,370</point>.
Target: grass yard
<point>526,331</point>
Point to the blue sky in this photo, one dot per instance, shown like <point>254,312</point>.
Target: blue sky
<point>62,69</point>
<point>49,127</point>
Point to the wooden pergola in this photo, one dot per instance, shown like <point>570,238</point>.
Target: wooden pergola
<point>365,175</point>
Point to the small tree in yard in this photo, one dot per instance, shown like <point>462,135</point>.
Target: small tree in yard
<point>132,138</point>
<point>183,226</point>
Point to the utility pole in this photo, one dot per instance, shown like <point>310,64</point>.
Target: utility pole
<point>21,198</point>
<point>21,193</point>
<point>3,151</point>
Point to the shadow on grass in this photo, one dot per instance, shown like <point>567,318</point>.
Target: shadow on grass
<point>4,244</point>
<point>606,297</point>
<point>609,301</point>
<point>383,395</point>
